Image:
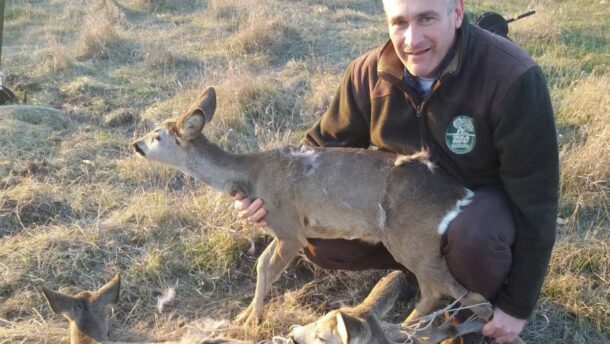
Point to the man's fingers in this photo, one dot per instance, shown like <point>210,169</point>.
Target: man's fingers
<point>489,330</point>
<point>503,328</point>
<point>498,333</point>
<point>241,202</point>
<point>258,215</point>
<point>253,211</point>
<point>507,339</point>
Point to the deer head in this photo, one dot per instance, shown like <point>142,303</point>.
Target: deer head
<point>336,327</point>
<point>88,312</point>
<point>170,142</point>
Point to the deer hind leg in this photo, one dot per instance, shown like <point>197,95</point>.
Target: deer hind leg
<point>274,259</point>
<point>435,279</point>
<point>482,307</point>
<point>429,300</point>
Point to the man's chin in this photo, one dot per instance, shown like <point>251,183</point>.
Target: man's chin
<point>421,71</point>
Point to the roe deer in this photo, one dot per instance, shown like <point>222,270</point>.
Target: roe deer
<point>362,324</point>
<point>326,193</point>
<point>88,312</point>
<point>89,315</point>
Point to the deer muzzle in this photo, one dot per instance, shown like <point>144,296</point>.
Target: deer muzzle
<point>137,148</point>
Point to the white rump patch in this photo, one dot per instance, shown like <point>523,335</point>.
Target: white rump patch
<point>453,213</point>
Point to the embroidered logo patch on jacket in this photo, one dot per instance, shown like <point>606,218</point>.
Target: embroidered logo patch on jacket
<point>460,136</point>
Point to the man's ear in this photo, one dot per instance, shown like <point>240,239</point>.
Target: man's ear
<point>62,304</point>
<point>349,327</point>
<point>459,13</point>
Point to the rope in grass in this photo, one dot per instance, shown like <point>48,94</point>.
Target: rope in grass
<point>409,330</point>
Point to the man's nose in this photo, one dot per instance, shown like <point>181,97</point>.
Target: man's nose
<point>412,36</point>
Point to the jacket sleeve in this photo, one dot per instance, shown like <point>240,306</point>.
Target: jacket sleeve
<point>526,140</point>
<point>344,124</point>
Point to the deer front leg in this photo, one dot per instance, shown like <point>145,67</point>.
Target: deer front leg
<point>274,259</point>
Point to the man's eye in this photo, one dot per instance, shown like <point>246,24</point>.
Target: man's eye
<point>426,20</point>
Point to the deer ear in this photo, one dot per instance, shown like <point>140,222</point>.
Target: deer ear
<point>206,103</point>
<point>109,293</point>
<point>199,113</point>
<point>61,304</point>
<point>190,126</point>
<point>348,327</point>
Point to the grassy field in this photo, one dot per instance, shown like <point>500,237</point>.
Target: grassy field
<point>76,206</point>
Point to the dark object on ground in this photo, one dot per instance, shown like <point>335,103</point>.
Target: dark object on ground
<point>494,22</point>
<point>6,96</point>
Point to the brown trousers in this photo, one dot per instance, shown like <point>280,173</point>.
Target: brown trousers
<point>476,246</point>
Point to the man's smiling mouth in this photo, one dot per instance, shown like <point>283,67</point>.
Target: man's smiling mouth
<point>418,52</point>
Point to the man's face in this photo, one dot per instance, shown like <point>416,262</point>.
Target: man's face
<point>422,32</point>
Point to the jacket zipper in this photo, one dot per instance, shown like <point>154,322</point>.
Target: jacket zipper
<point>419,113</point>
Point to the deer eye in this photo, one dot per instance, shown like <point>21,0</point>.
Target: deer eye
<point>158,137</point>
<point>320,339</point>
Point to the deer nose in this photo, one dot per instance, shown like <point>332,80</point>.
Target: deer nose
<point>137,148</point>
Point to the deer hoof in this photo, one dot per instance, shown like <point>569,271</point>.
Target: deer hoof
<point>248,318</point>
<point>252,321</point>
<point>244,315</point>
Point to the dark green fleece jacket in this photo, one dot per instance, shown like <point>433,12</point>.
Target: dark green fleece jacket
<point>488,121</point>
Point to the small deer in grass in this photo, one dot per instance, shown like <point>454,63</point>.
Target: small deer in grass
<point>88,312</point>
<point>326,193</point>
<point>363,324</point>
<point>89,315</point>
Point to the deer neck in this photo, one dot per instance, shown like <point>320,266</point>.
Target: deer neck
<point>77,336</point>
<point>219,169</point>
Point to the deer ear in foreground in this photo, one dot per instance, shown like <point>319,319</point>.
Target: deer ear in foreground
<point>87,312</point>
<point>359,324</point>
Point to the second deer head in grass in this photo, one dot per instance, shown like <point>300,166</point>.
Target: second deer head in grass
<point>87,312</point>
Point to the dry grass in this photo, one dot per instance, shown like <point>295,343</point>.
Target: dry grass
<point>579,277</point>
<point>270,36</point>
<point>77,207</point>
<point>585,173</point>
<point>98,38</point>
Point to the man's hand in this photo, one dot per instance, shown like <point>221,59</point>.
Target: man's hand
<point>251,211</point>
<point>503,328</point>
